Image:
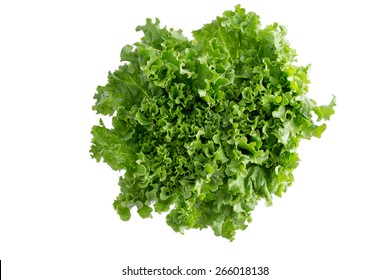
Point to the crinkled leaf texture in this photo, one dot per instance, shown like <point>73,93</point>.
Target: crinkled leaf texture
<point>205,128</point>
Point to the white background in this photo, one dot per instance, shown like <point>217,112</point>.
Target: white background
<point>56,216</point>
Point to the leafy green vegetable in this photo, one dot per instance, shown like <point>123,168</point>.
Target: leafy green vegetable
<point>205,128</point>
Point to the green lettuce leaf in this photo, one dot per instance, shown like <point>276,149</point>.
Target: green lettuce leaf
<point>205,128</point>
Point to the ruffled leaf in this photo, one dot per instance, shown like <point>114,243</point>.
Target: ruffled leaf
<point>204,129</point>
